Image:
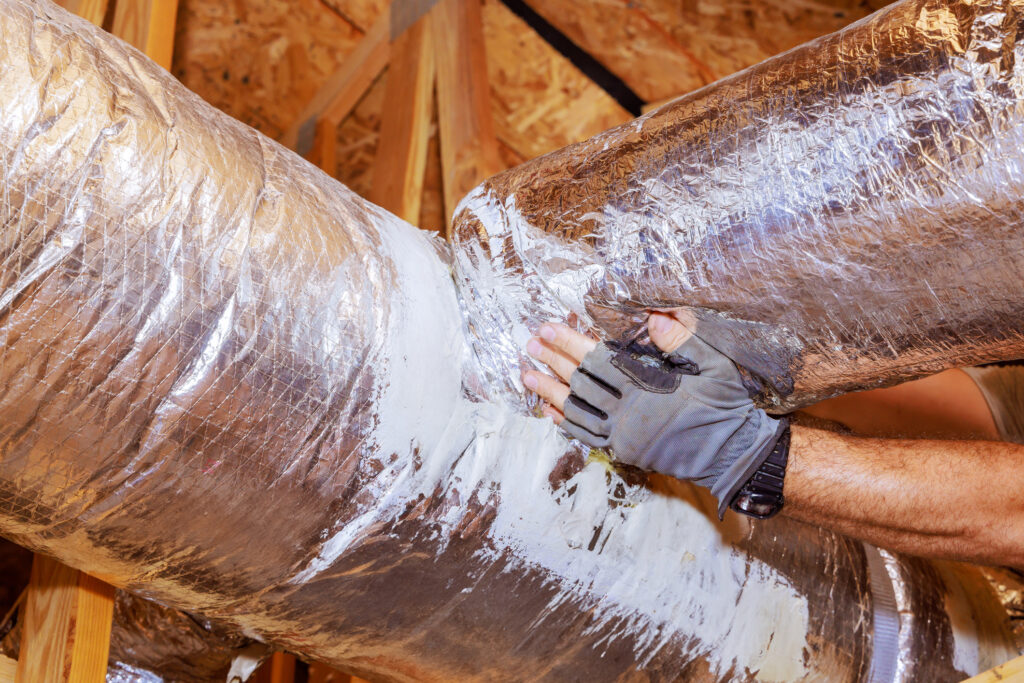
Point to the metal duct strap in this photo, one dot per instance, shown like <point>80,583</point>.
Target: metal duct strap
<point>885,642</point>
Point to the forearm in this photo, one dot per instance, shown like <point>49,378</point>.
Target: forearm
<point>960,500</point>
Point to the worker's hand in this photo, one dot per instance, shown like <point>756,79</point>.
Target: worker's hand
<point>686,414</point>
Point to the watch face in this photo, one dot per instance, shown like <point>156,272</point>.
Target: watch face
<point>759,505</point>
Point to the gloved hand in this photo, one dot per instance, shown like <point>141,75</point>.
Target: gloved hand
<point>685,414</point>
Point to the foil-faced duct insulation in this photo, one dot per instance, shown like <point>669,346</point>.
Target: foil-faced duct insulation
<point>845,215</point>
<point>229,384</point>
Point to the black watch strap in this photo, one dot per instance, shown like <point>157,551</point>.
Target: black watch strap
<point>761,496</point>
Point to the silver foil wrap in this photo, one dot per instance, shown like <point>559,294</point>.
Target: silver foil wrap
<point>229,384</point>
<point>842,216</point>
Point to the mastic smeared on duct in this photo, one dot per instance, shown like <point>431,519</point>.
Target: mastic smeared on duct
<point>230,384</point>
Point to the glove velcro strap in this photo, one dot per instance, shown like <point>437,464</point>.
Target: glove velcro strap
<point>730,483</point>
<point>761,495</point>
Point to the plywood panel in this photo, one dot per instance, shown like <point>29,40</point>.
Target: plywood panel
<point>622,40</point>
<point>729,35</point>
<point>664,48</point>
<point>540,100</point>
<point>260,61</point>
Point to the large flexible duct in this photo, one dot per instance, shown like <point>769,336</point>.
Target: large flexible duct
<point>229,384</point>
<point>845,215</point>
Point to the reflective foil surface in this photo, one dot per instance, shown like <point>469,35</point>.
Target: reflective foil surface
<point>229,384</point>
<point>842,216</point>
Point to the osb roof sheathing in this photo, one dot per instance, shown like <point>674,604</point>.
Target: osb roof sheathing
<point>262,60</point>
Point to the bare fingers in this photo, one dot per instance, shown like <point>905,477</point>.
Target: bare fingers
<point>554,359</point>
<point>567,340</point>
<point>553,413</point>
<point>562,349</point>
<point>667,332</point>
<point>547,387</point>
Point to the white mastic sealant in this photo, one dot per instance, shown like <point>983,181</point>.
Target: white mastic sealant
<point>966,642</point>
<point>658,569</point>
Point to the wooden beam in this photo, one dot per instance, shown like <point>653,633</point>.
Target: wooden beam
<point>325,147</point>
<point>93,10</point>
<point>469,146</point>
<point>1011,672</point>
<point>339,95</point>
<point>149,26</point>
<point>321,673</point>
<point>68,616</point>
<point>401,158</point>
<point>8,667</point>
<point>280,668</point>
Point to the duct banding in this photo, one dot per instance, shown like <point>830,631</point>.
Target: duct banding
<point>231,385</point>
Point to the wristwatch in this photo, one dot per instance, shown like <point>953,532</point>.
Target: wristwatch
<point>761,496</point>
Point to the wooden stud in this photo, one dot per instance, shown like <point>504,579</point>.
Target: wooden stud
<point>401,159</point>
<point>149,26</point>
<point>321,673</point>
<point>8,667</point>
<point>68,616</point>
<point>93,10</point>
<point>280,668</point>
<point>325,145</point>
<point>339,95</point>
<point>469,146</point>
<point>1010,672</point>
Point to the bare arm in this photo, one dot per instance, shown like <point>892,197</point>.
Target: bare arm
<point>956,499</point>
<point>961,500</point>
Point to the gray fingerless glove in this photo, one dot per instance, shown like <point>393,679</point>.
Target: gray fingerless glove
<point>684,414</point>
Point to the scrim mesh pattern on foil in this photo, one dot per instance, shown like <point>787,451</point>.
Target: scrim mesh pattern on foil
<point>229,384</point>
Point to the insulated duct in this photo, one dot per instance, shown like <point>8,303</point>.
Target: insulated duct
<point>843,216</point>
<point>229,384</point>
